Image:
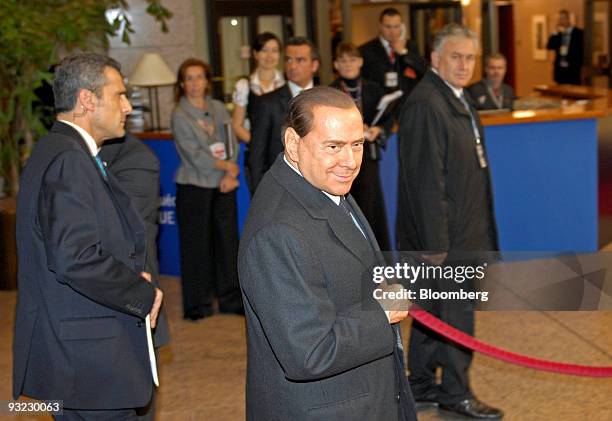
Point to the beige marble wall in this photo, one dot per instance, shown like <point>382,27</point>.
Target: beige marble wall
<point>179,43</point>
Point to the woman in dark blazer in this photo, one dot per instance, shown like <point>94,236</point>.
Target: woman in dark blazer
<point>367,187</point>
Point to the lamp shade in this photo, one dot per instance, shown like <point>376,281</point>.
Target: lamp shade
<point>151,70</point>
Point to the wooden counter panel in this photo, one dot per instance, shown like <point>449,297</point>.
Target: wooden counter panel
<point>581,112</point>
<point>165,135</point>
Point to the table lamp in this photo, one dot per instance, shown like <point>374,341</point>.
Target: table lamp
<point>150,72</point>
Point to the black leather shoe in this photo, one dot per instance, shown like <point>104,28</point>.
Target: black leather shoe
<point>232,310</point>
<point>473,408</point>
<point>427,401</point>
<point>195,315</point>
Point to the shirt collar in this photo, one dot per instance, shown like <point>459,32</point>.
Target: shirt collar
<point>385,43</point>
<point>457,91</point>
<point>295,89</point>
<point>278,81</point>
<point>335,199</point>
<point>89,141</point>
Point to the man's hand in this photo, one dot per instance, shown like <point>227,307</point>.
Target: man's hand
<point>435,259</point>
<point>396,308</point>
<point>399,45</point>
<point>396,316</point>
<point>159,295</point>
<point>146,275</point>
<point>371,133</point>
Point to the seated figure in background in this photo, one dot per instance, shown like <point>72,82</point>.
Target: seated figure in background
<point>491,93</point>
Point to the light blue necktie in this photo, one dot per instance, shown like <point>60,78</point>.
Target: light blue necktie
<point>347,209</point>
<point>101,166</point>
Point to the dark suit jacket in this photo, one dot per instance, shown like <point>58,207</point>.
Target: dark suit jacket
<point>79,330</point>
<point>444,196</point>
<point>376,63</point>
<point>267,117</point>
<point>482,99</point>
<point>136,168</point>
<point>319,346</point>
<point>575,57</point>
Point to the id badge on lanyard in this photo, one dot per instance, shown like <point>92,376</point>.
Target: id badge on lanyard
<point>391,80</point>
<point>482,160</point>
<point>218,150</point>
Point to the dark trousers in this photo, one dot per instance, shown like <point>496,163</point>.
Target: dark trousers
<point>568,75</point>
<point>208,236</point>
<point>368,194</point>
<point>427,350</point>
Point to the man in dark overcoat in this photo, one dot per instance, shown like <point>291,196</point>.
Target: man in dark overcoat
<point>319,346</point>
<point>445,207</point>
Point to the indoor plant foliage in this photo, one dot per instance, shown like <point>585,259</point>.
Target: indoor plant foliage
<point>33,33</point>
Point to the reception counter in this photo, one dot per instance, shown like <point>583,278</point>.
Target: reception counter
<point>544,176</point>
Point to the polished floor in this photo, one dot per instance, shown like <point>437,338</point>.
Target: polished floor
<point>202,371</point>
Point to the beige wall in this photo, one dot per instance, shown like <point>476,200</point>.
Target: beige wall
<point>175,46</point>
<point>187,37</point>
<point>364,20</point>
<point>472,19</point>
<point>530,72</point>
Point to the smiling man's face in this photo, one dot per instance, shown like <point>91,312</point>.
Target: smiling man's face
<point>329,156</point>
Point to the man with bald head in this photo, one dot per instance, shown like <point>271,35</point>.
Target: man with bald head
<point>445,208</point>
<point>319,346</point>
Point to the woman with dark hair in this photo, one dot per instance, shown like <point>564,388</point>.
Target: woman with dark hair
<point>367,188</point>
<point>266,78</point>
<point>206,183</point>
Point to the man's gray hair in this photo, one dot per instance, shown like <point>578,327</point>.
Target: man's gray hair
<point>453,30</point>
<point>76,72</point>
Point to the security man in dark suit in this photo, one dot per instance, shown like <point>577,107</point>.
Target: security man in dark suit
<point>268,111</point>
<point>491,93</point>
<point>389,59</point>
<point>136,168</point>
<point>568,44</point>
<point>445,208</point>
<point>84,299</point>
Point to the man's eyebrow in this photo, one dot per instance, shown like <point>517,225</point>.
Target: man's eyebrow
<point>343,142</point>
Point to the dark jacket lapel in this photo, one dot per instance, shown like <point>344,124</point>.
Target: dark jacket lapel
<point>74,135</point>
<point>319,206</point>
<point>122,201</point>
<point>382,52</point>
<point>453,101</point>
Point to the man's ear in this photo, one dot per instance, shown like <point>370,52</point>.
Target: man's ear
<point>292,140</point>
<point>315,66</point>
<point>86,101</point>
<point>435,59</point>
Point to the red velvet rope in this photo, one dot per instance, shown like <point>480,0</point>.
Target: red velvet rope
<point>474,344</point>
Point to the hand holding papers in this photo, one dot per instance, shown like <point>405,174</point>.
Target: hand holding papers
<point>386,105</point>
